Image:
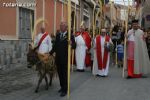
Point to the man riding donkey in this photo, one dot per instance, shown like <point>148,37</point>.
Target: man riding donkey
<point>40,57</point>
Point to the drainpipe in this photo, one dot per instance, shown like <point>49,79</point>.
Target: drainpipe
<point>55,4</point>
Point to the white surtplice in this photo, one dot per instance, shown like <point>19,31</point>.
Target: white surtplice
<point>80,52</point>
<point>46,44</point>
<point>96,70</point>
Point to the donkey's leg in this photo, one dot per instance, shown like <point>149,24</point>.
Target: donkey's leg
<point>51,78</point>
<point>46,80</point>
<point>44,75</point>
<point>39,82</point>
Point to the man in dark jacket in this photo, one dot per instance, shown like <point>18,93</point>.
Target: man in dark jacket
<point>61,50</point>
<point>148,41</point>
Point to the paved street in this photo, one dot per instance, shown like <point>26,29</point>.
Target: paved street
<point>20,85</point>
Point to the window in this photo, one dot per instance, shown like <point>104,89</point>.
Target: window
<point>25,24</point>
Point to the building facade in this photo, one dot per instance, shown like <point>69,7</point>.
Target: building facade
<point>15,31</point>
<point>18,17</point>
<point>143,13</point>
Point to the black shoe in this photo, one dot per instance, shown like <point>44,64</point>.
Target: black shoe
<point>143,76</point>
<point>105,76</point>
<point>100,75</point>
<point>121,65</point>
<point>128,77</point>
<point>59,90</point>
<point>63,94</point>
<point>80,70</point>
<point>97,75</point>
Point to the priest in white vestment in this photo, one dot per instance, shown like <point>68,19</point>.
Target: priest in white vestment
<point>83,45</point>
<point>102,54</point>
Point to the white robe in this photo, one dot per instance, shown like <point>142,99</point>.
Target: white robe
<point>96,71</point>
<point>46,44</point>
<point>80,52</point>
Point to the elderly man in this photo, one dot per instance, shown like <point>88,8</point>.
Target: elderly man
<point>101,54</point>
<point>137,55</point>
<point>43,42</point>
<point>61,50</point>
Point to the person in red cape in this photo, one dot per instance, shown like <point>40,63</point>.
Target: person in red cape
<point>83,45</point>
<point>102,54</point>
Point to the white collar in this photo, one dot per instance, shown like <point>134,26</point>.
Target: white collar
<point>63,32</point>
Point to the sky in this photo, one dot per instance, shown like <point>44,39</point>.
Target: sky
<point>121,2</point>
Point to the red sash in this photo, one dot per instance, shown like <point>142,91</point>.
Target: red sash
<point>101,62</point>
<point>42,38</point>
<point>87,40</point>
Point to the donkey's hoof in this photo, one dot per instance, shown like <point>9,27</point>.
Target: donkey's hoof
<point>36,91</point>
<point>46,88</point>
<point>50,84</point>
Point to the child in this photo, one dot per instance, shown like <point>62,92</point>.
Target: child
<point>120,53</point>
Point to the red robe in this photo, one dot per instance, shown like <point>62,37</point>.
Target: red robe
<point>87,40</point>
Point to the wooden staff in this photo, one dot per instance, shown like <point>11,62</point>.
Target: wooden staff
<point>40,20</point>
<point>96,18</point>
<point>74,29</point>
<point>93,26</point>
<point>31,26</point>
<point>101,12</point>
<point>32,34</point>
<point>69,46</point>
<point>116,55</point>
<point>111,18</point>
<point>125,40</point>
<point>93,22</point>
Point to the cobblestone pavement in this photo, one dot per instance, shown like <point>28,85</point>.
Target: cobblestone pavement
<point>19,84</point>
<point>14,80</point>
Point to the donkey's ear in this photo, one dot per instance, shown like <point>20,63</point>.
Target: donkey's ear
<point>29,44</point>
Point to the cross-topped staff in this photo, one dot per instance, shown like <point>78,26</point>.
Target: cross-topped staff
<point>126,31</point>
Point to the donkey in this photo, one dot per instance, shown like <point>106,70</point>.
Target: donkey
<point>43,68</point>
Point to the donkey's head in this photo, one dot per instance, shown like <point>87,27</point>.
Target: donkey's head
<point>32,57</point>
